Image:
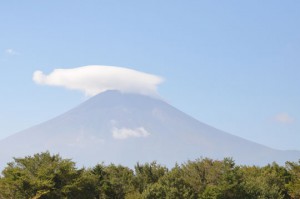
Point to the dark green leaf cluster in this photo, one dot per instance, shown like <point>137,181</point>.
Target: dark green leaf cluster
<point>46,176</point>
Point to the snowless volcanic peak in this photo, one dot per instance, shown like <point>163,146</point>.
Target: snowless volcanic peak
<point>129,128</point>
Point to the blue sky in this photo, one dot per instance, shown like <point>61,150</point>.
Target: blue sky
<point>232,64</point>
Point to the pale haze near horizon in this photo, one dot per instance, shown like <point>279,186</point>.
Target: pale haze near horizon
<point>234,65</point>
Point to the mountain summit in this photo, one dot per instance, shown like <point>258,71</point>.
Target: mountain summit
<point>128,128</point>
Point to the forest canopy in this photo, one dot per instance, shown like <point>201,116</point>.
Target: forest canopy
<point>47,176</point>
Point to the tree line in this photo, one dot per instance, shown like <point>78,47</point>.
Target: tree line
<point>47,176</point>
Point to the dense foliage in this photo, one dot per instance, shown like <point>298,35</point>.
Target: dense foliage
<point>46,176</point>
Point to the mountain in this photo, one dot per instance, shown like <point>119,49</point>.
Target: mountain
<point>130,128</point>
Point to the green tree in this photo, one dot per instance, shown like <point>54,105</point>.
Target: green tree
<point>265,182</point>
<point>214,179</point>
<point>169,186</point>
<point>199,174</point>
<point>39,176</point>
<point>148,174</point>
<point>84,186</point>
<point>294,185</point>
<point>113,181</point>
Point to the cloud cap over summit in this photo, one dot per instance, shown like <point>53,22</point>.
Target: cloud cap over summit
<point>95,79</point>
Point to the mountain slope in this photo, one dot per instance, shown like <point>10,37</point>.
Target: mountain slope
<point>127,128</point>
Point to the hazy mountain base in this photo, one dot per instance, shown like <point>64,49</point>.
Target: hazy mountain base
<point>50,176</point>
<point>126,128</point>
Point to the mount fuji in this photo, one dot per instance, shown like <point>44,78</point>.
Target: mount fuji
<point>123,128</point>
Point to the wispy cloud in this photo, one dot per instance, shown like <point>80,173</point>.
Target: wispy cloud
<point>82,140</point>
<point>124,133</point>
<point>96,79</point>
<point>11,51</point>
<point>284,118</point>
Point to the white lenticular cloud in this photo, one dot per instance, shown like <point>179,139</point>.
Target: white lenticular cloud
<point>95,79</point>
<point>124,133</point>
<point>284,118</point>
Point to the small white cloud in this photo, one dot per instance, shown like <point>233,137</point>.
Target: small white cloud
<point>124,133</point>
<point>95,79</point>
<point>284,118</point>
<point>10,51</point>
